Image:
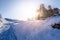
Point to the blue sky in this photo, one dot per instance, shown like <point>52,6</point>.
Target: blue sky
<point>17,9</point>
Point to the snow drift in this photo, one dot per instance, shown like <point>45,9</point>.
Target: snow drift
<point>36,30</point>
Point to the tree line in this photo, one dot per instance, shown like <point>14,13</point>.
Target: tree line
<point>44,13</point>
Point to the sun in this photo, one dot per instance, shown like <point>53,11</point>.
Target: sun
<point>28,11</point>
<point>25,11</point>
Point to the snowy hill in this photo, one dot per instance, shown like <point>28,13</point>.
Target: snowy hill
<point>35,30</point>
<point>3,26</point>
<point>12,20</point>
<point>38,30</point>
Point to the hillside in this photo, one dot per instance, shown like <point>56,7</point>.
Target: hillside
<point>33,30</point>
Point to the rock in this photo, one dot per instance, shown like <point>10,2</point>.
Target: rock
<point>56,26</point>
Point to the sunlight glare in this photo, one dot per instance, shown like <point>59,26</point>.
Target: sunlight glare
<point>29,11</point>
<point>25,11</point>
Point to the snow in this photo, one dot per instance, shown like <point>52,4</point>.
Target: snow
<point>37,30</point>
<point>3,26</point>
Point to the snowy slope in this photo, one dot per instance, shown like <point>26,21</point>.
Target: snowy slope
<point>33,30</point>
<point>38,30</point>
<point>6,30</point>
<point>3,26</point>
<point>11,20</point>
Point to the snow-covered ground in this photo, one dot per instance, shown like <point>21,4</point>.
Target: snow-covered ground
<point>37,30</point>
<point>3,26</point>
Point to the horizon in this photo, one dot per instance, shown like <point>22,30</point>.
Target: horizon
<point>23,10</point>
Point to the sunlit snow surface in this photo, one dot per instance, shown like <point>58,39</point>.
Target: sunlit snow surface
<point>36,30</point>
